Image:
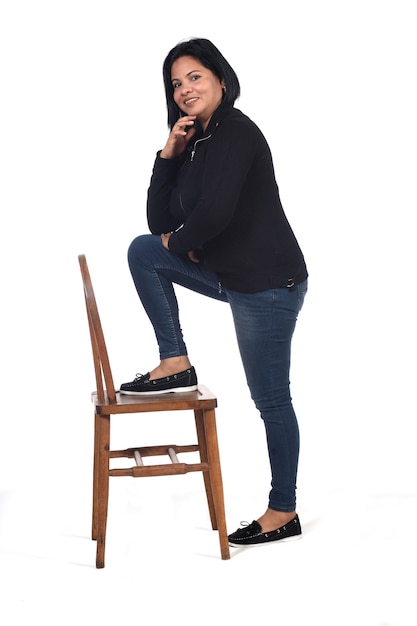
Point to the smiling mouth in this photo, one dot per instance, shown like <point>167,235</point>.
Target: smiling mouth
<point>190,101</point>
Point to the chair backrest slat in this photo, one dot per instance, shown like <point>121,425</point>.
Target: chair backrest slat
<point>103,374</point>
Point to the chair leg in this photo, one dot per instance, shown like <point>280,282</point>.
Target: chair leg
<point>95,479</point>
<point>202,444</point>
<point>216,479</point>
<point>102,492</point>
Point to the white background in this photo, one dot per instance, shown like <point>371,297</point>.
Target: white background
<point>332,85</point>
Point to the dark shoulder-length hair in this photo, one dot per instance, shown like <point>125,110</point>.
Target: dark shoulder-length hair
<point>209,56</point>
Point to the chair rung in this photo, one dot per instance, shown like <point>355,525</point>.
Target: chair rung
<point>160,470</point>
<point>152,451</point>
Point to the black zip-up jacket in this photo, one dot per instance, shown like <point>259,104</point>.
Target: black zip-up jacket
<point>221,200</point>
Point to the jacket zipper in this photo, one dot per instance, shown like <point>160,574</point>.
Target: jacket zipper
<point>195,145</point>
<point>192,158</point>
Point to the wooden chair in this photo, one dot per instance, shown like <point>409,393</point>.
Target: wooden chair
<point>109,403</point>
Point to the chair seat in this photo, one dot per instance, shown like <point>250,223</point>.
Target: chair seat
<point>201,398</point>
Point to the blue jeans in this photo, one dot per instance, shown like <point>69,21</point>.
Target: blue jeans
<point>264,324</point>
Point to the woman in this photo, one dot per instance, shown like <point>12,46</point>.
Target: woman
<point>218,228</point>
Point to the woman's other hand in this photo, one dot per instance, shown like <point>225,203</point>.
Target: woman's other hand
<point>193,257</point>
<point>165,240</point>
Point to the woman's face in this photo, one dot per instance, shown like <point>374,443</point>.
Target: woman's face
<point>197,91</point>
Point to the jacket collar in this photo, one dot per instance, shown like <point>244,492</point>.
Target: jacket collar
<point>220,113</point>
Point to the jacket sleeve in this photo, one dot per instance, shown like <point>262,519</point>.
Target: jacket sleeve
<point>228,160</point>
<point>163,178</point>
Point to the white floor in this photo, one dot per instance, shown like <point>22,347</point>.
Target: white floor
<point>163,565</point>
<point>354,565</point>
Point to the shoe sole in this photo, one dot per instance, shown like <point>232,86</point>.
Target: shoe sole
<point>264,543</point>
<point>157,393</point>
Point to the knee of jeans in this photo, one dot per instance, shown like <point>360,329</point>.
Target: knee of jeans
<point>140,247</point>
<point>279,400</point>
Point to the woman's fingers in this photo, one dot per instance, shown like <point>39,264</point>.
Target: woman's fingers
<point>182,126</point>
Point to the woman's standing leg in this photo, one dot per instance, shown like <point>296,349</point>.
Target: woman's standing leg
<point>265,323</point>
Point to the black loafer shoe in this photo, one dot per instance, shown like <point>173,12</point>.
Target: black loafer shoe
<point>252,535</point>
<point>183,381</point>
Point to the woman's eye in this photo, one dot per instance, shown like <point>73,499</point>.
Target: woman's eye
<point>177,84</point>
